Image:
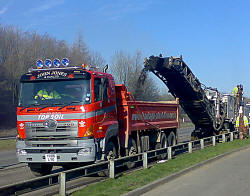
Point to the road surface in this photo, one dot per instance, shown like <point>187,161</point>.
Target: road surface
<point>17,172</point>
<point>229,176</point>
<point>8,158</point>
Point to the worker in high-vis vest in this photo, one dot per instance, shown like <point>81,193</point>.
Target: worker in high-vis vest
<point>47,94</point>
<point>235,91</point>
<point>244,119</point>
<point>242,125</point>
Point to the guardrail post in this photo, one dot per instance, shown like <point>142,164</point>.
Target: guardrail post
<point>169,153</point>
<point>223,138</point>
<point>190,147</point>
<point>213,140</point>
<point>145,160</point>
<point>231,137</point>
<point>112,169</point>
<point>202,143</point>
<point>62,185</point>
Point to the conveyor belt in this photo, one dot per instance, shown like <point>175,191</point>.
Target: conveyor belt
<point>183,84</point>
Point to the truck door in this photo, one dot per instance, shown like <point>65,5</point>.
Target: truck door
<point>102,105</point>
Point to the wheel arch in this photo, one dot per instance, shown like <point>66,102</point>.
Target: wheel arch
<point>112,134</point>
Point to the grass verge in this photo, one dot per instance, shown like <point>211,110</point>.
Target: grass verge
<point>129,182</point>
<point>6,145</point>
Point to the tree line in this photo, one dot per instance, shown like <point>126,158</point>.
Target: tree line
<point>19,50</point>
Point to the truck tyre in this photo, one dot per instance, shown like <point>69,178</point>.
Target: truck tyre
<point>110,153</point>
<point>40,169</point>
<point>171,139</point>
<point>162,144</point>
<point>132,150</point>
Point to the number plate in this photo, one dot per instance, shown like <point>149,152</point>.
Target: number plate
<point>50,158</point>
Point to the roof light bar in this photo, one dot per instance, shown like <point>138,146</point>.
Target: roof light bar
<point>65,62</point>
<point>57,62</point>
<point>48,63</point>
<point>39,64</point>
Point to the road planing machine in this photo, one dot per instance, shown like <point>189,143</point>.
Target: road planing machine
<point>210,111</point>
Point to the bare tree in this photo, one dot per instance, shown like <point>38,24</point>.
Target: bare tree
<point>79,51</point>
<point>97,60</point>
<point>127,69</point>
<point>121,67</point>
<point>19,50</point>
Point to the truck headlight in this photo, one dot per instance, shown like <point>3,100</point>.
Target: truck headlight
<point>84,151</point>
<point>21,152</point>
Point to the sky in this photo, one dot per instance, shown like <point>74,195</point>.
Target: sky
<point>212,36</point>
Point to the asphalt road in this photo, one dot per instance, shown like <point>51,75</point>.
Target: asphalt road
<point>13,175</point>
<point>16,173</point>
<point>19,173</point>
<point>229,176</point>
<point>8,158</point>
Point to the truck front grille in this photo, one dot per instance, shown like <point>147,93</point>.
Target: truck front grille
<point>38,135</point>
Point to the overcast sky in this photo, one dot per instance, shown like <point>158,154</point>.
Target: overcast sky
<point>213,36</point>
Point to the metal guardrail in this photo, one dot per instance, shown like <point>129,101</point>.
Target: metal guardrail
<point>111,167</point>
<point>7,137</point>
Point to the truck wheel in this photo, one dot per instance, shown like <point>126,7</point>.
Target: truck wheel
<point>162,144</point>
<point>171,139</point>
<point>132,150</point>
<point>110,153</point>
<point>40,169</point>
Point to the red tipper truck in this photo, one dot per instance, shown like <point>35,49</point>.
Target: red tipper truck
<point>74,115</point>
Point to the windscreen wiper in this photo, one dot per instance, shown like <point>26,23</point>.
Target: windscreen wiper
<point>28,106</point>
<point>43,107</point>
<point>68,104</point>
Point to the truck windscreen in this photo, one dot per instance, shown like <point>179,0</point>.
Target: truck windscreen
<point>55,92</point>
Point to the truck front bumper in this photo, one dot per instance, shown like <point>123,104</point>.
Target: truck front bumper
<point>85,151</point>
